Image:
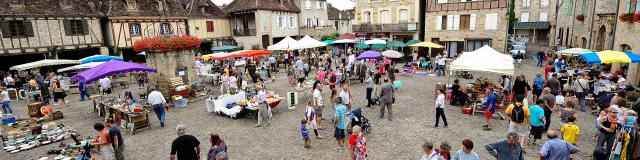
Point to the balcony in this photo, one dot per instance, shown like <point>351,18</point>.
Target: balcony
<point>392,27</point>
<point>244,32</point>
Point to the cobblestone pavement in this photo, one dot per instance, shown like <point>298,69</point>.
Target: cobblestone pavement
<point>399,139</point>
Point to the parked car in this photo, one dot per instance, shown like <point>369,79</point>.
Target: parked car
<point>515,48</point>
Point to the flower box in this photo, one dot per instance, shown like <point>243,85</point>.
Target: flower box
<point>166,44</point>
<point>580,17</point>
<point>627,17</point>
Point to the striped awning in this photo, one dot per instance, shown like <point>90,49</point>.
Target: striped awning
<point>531,25</point>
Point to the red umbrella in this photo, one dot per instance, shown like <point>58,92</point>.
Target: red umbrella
<point>249,53</point>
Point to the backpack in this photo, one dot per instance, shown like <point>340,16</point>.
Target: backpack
<point>539,83</point>
<point>517,114</point>
<point>332,78</point>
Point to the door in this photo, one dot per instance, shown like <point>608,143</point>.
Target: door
<point>265,41</point>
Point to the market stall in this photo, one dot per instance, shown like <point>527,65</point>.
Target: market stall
<point>285,44</point>
<point>484,59</point>
<point>28,134</point>
<point>130,115</point>
<point>80,67</point>
<point>573,52</point>
<point>99,58</point>
<point>239,105</point>
<point>308,42</point>
<point>44,63</point>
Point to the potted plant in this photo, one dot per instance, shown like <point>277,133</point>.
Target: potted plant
<point>627,17</point>
<point>580,17</point>
<point>636,17</point>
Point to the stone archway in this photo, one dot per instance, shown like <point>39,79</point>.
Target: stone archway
<point>601,38</point>
<point>625,47</point>
<point>583,42</point>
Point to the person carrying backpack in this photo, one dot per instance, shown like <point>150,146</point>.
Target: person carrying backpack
<point>519,114</point>
<point>538,85</point>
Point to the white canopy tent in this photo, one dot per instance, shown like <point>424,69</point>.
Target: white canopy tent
<point>80,66</point>
<point>573,51</point>
<point>308,42</point>
<point>485,59</point>
<point>285,44</point>
<point>43,63</point>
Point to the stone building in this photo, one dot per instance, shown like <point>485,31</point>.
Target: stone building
<point>56,28</point>
<point>464,25</point>
<point>209,23</point>
<point>313,19</point>
<point>586,23</point>
<point>128,21</point>
<point>341,20</point>
<point>386,19</point>
<point>260,23</point>
<point>536,21</point>
<point>626,37</point>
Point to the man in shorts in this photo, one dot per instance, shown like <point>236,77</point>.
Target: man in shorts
<point>317,103</point>
<point>519,114</point>
<point>489,108</point>
<point>340,123</point>
<point>537,120</point>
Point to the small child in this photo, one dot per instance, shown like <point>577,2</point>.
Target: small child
<point>571,131</point>
<point>305,133</point>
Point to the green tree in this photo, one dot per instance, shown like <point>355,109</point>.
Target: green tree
<point>512,16</point>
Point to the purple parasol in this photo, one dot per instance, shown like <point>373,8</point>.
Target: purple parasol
<point>369,55</point>
<point>110,68</point>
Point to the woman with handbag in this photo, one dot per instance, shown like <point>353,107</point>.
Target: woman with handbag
<point>59,93</point>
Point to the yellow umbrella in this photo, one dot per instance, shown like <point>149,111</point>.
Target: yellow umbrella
<point>427,44</point>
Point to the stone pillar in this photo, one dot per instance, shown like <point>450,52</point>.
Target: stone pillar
<point>167,63</point>
<point>633,75</point>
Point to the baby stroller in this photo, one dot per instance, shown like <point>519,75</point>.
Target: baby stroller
<point>357,118</point>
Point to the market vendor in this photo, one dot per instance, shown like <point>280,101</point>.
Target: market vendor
<point>459,98</point>
<point>264,111</point>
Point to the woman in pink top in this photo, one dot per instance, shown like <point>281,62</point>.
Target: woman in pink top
<point>320,76</point>
<point>387,61</point>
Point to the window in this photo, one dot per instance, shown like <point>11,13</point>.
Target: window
<point>317,4</point>
<point>472,22</point>
<point>632,6</point>
<point>366,17</point>
<point>292,22</point>
<point>472,45</point>
<point>442,1</point>
<point>449,22</point>
<point>16,29</point>
<point>308,22</point>
<point>384,17</point>
<point>566,7</point>
<point>456,22</point>
<point>307,4</point>
<point>65,2</point>
<point>322,5</point>
<point>524,17</point>
<point>134,29</point>
<point>160,5</point>
<point>443,22</point>
<point>526,3</point>
<point>75,27</point>
<point>210,26</point>
<point>15,1</point>
<point>465,21</point>
<point>491,21</point>
<point>585,7</point>
<point>165,28</point>
<point>543,16</point>
<point>281,22</point>
<point>404,15</point>
<point>544,3</point>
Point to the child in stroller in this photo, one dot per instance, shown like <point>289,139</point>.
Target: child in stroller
<point>357,118</point>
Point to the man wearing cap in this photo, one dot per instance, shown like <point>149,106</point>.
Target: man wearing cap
<point>185,147</point>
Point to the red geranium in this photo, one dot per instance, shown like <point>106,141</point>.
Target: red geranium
<point>636,17</point>
<point>627,17</point>
<point>166,44</point>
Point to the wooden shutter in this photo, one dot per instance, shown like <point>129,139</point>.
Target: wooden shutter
<point>85,27</point>
<point>456,22</point>
<point>449,22</point>
<point>472,22</point>
<point>4,25</point>
<point>209,26</point>
<point>67,27</point>
<point>439,23</point>
<point>28,28</point>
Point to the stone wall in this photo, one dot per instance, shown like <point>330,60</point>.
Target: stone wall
<point>572,32</point>
<point>393,7</point>
<point>317,32</point>
<point>312,12</point>
<point>627,35</point>
<point>535,9</point>
<point>167,62</point>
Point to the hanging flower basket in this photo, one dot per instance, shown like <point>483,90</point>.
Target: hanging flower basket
<point>627,17</point>
<point>166,44</point>
<point>580,17</point>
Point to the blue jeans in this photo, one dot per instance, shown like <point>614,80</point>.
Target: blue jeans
<point>159,109</point>
<point>6,107</point>
<point>83,94</point>
<point>581,100</point>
